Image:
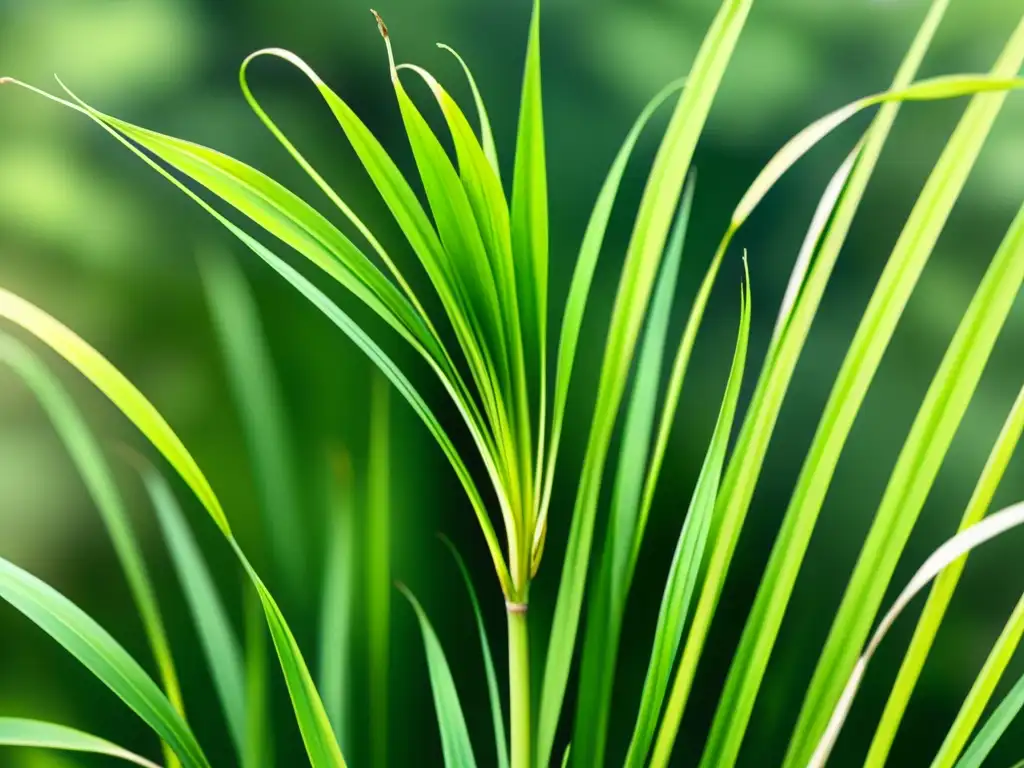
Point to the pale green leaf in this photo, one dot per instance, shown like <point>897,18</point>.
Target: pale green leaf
<point>939,598</point>
<point>20,732</point>
<point>951,551</point>
<point>938,417</point>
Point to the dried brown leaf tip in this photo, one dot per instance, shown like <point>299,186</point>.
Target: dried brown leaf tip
<point>380,24</point>
<point>6,80</point>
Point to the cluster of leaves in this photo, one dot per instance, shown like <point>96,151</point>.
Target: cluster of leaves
<point>486,258</point>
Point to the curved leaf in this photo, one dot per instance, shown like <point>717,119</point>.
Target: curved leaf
<point>101,654</point>
<point>20,732</point>
<point>458,751</point>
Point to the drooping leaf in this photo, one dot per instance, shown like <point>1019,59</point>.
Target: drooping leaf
<point>96,472</point>
<point>20,732</point>
<point>313,723</point>
<point>764,621</point>
<point>373,351</point>
<point>939,415</point>
<point>101,654</point>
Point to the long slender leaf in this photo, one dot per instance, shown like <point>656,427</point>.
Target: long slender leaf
<point>20,732</point>
<point>101,654</point>
<point>458,751</point>
<point>530,242</point>
<point>939,416</point>
<point>313,723</point>
<point>686,562</point>
<point>216,636</point>
<point>92,465</point>
<point>337,613</point>
<point>643,257</point>
<point>253,383</point>
<point>942,592</point>
<point>259,736</point>
<point>765,619</point>
<point>119,390</point>
<point>415,225</point>
<point>576,302</point>
<point>981,691</point>
<point>363,341</point>
<point>500,738</point>
<point>994,727</point>
<point>608,603</point>
<point>486,134</point>
<point>951,551</point>
<point>378,567</point>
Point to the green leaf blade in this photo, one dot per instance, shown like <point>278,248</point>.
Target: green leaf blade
<point>657,209</point>
<point>21,732</point>
<point>455,743</point>
<point>626,521</point>
<point>102,655</point>
<point>209,616</point>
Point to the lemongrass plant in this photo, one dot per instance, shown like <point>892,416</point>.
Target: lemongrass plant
<point>485,253</point>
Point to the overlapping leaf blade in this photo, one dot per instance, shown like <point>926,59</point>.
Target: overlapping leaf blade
<point>941,594</point>
<point>608,601</point>
<point>209,616</point>
<point>650,233</point>
<point>576,302</point>
<point>686,562</point>
<point>928,440</point>
<point>101,654</point>
<point>952,550</point>
<point>981,693</point>
<point>98,476</point>
<point>313,723</point>
<point>259,403</point>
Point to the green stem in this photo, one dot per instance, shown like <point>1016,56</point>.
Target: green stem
<point>519,685</point>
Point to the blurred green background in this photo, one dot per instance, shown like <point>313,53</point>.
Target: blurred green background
<point>91,235</point>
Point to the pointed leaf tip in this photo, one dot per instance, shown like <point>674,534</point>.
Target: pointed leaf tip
<point>380,24</point>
